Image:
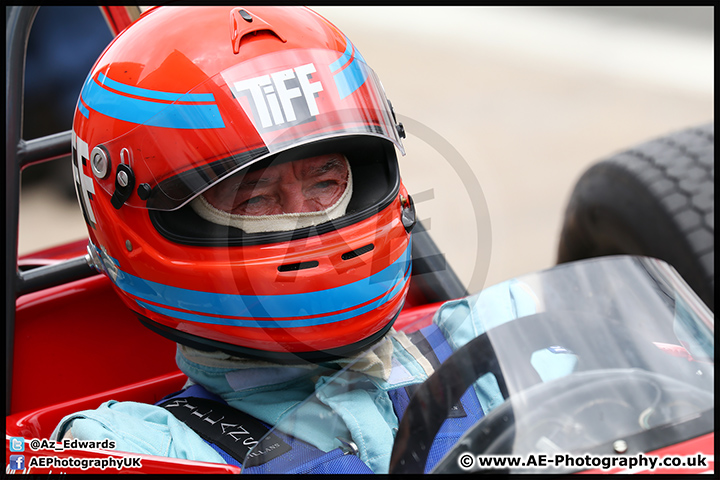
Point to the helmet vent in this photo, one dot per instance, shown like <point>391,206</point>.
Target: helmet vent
<point>357,252</point>
<point>292,267</point>
<point>242,23</point>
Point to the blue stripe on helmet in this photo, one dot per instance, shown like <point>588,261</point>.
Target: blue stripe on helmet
<point>83,109</point>
<point>351,77</point>
<point>154,94</point>
<point>262,310</point>
<point>147,112</point>
<point>344,58</point>
<point>272,323</point>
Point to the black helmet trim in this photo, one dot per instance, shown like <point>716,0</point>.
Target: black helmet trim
<point>316,356</point>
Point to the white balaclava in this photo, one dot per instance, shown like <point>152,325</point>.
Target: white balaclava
<point>275,223</point>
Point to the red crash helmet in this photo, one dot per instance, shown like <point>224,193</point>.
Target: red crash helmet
<point>185,98</point>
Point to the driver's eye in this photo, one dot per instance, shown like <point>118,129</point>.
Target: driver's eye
<point>257,205</point>
<point>325,184</point>
<point>255,200</point>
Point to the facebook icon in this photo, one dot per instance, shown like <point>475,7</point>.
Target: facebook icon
<point>17,462</point>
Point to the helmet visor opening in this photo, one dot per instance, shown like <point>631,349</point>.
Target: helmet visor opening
<point>376,182</point>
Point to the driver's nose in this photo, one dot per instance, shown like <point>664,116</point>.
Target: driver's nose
<point>293,199</point>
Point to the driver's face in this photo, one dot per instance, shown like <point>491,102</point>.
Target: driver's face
<point>309,185</point>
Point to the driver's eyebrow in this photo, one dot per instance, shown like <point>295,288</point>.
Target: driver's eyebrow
<point>246,184</point>
<point>334,163</point>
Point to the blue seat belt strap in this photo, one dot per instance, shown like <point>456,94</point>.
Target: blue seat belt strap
<point>432,344</point>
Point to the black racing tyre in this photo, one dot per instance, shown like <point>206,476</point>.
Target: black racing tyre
<point>657,200</point>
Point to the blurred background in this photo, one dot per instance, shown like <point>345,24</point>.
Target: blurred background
<point>504,107</point>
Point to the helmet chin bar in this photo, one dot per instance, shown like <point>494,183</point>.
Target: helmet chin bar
<point>287,358</point>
